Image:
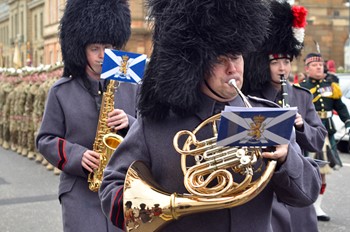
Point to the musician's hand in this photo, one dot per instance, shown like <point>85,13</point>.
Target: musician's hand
<point>280,154</point>
<point>117,119</point>
<point>90,160</point>
<point>299,123</point>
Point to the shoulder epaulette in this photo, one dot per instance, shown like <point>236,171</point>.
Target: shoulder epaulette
<point>337,93</point>
<point>62,81</point>
<point>264,101</point>
<point>298,86</point>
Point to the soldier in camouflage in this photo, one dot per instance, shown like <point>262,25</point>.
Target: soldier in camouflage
<point>29,113</point>
<point>19,110</point>
<point>7,88</point>
<point>13,114</point>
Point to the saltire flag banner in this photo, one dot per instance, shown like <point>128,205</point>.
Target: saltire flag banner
<point>257,126</point>
<point>123,66</point>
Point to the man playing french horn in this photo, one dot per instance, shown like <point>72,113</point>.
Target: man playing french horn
<point>196,68</point>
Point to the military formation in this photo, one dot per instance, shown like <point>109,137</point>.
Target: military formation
<point>22,101</point>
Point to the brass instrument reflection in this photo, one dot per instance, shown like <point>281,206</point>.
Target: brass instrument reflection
<point>140,214</point>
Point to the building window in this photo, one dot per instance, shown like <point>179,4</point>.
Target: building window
<point>16,24</point>
<point>51,57</point>
<point>22,23</point>
<point>336,13</point>
<point>13,26</point>
<point>35,27</point>
<point>41,25</point>
<point>35,58</point>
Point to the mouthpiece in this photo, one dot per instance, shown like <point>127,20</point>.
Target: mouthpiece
<point>232,82</point>
<point>246,102</point>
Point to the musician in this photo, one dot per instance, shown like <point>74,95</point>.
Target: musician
<point>326,98</point>
<point>198,47</point>
<point>70,120</point>
<point>263,72</point>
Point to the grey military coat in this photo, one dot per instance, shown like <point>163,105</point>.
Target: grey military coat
<point>311,138</point>
<point>68,129</point>
<point>296,182</point>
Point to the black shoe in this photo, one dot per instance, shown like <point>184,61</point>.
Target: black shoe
<point>324,218</point>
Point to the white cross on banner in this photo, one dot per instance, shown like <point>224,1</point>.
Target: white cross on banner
<point>259,126</point>
<point>123,66</point>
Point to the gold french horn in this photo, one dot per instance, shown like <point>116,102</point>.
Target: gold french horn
<point>210,182</point>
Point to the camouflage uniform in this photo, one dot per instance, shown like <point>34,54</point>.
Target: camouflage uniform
<point>40,94</point>
<point>28,114</point>
<point>7,88</point>
<point>18,110</point>
<point>12,116</point>
<point>24,122</point>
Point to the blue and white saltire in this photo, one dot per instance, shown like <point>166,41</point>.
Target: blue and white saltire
<point>256,126</point>
<point>123,66</point>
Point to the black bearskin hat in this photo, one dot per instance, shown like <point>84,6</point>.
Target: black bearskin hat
<point>188,38</point>
<point>287,25</point>
<point>91,21</point>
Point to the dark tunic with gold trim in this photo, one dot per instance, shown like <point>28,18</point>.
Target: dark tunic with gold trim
<point>326,98</point>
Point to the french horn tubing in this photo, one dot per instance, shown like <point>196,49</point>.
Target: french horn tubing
<point>212,182</point>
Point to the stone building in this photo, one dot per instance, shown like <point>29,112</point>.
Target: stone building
<point>29,31</point>
<point>328,25</point>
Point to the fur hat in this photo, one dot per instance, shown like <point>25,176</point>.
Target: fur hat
<point>91,21</point>
<point>285,41</point>
<point>188,38</point>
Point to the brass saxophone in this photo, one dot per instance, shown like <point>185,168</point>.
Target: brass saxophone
<point>106,141</point>
<point>213,162</point>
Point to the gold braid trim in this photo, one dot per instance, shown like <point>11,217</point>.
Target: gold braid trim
<point>313,90</point>
<point>336,91</point>
<point>316,98</point>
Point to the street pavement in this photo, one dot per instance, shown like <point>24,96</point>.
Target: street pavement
<point>336,201</point>
<point>28,197</point>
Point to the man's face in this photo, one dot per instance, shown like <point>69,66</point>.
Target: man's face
<point>279,67</point>
<point>315,70</point>
<point>94,55</point>
<point>226,68</point>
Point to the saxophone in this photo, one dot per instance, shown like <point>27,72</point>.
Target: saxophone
<point>106,141</point>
